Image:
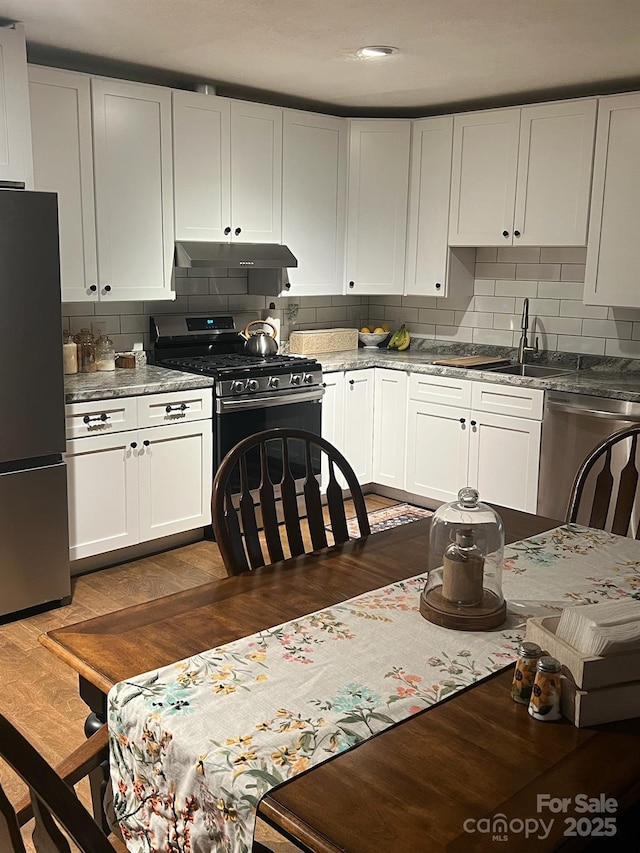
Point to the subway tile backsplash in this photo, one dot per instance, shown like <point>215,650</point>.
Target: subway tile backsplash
<point>552,279</point>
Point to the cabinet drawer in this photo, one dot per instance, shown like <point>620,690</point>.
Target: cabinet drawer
<point>507,400</point>
<point>444,390</point>
<point>100,417</point>
<point>176,407</point>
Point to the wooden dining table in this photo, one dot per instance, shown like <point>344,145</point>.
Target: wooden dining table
<point>424,784</point>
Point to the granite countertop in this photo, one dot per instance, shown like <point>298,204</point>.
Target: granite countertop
<point>149,379</point>
<point>614,378</point>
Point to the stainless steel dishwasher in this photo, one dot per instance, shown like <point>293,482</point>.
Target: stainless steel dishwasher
<point>572,426</point>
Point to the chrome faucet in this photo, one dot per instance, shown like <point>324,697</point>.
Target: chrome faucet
<point>523,345</point>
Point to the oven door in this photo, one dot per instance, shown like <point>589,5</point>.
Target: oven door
<point>238,419</point>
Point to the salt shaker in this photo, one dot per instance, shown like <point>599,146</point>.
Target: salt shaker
<point>525,672</point>
<point>545,694</point>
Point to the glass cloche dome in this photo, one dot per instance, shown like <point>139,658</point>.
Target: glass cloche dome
<point>466,546</point>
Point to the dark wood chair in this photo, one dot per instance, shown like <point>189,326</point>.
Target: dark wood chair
<point>51,796</point>
<point>605,492</point>
<point>266,495</point>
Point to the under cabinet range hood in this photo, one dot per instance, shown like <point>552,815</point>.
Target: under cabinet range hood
<point>202,253</point>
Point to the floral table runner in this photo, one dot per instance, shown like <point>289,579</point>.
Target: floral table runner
<point>194,745</point>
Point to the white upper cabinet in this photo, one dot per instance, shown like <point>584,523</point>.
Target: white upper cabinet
<point>314,180</point>
<point>202,166</point>
<point>133,190</point>
<point>227,168</point>
<point>613,255</point>
<point>16,164</point>
<point>377,205</point>
<point>433,269</point>
<point>522,176</point>
<point>63,163</point>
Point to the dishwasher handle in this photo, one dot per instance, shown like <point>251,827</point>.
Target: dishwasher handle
<point>593,413</point>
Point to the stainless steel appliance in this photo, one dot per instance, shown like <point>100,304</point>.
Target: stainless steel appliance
<point>34,545</point>
<point>250,393</point>
<point>572,426</point>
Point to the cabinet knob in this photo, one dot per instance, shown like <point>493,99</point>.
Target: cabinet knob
<point>352,284</point>
<point>505,233</point>
<point>516,233</point>
<point>107,288</point>
<point>462,421</point>
<point>134,444</point>
<point>237,231</point>
<point>146,442</point>
<point>287,286</point>
<point>227,230</point>
<point>473,423</point>
<point>352,382</point>
<point>438,285</point>
<point>93,288</point>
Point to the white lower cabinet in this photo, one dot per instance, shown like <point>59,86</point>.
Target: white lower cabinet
<point>128,486</point>
<point>488,437</point>
<point>389,427</point>
<point>347,419</point>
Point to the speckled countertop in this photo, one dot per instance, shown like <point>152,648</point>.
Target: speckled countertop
<point>613,378</point>
<point>103,385</point>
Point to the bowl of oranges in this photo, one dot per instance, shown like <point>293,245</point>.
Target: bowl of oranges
<point>371,336</point>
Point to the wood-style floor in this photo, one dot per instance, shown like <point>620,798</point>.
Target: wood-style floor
<point>39,693</point>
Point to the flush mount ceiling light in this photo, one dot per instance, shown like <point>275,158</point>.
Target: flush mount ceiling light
<point>376,51</point>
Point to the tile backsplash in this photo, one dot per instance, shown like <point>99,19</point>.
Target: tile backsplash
<point>552,278</point>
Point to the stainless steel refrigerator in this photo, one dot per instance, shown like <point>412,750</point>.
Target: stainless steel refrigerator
<point>34,539</point>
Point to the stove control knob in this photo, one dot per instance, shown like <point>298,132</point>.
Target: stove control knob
<point>296,378</point>
<point>273,382</point>
<point>253,385</point>
<point>308,378</point>
<point>237,387</point>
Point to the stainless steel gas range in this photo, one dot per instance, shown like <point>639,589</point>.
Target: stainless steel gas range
<point>250,393</point>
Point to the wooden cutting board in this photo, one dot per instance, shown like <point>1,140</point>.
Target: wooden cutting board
<point>472,361</point>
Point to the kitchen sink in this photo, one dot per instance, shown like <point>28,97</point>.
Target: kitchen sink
<point>539,371</point>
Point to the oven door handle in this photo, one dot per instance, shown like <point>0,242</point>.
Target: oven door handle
<point>268,401</point>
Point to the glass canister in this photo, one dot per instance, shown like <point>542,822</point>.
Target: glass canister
<point>86,351</point>
<point>105,353</point>
<point>466,547</point>
<point>69,353</point>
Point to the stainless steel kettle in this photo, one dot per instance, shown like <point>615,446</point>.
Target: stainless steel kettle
<point>260,343</point>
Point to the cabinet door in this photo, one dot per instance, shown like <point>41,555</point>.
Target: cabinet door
<point>504,456</point>
<point>15,128</point>
<point>102,486</point>
<point>377,205</point>
<point>358,422</point>
<point>332,416</point>
<point>63,163</point>
<point>201,166</point>
<point>483,178</point>
<point>256,173</point>
<point>437,450</point>
<point>613,254</point>
<point>176,472</point>
<point>554,174</point>
<point>134,190</point>
<point>389,427</point>
<point>429,207</point>
<point>314,201</point>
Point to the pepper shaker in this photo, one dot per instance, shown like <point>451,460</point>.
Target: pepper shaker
<point>525,672</point>
<point>545,694</point>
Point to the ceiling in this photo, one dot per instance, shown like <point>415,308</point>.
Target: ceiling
<point>454,54</point>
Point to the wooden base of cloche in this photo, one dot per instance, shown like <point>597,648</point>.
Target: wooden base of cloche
<point>489,613</point>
